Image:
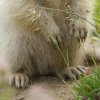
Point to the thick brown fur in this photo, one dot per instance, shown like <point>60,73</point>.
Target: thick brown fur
<point>27,30</point>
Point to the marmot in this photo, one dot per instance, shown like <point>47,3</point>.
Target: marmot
<point>36,38</point>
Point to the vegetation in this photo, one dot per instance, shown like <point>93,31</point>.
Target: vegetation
<point>6,92</point>
<point>89,87</point>
<point>97,15</point>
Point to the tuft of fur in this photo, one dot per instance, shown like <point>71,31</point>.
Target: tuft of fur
<point>26,32</point>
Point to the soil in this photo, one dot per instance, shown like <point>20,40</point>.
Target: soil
<point>44,88</point>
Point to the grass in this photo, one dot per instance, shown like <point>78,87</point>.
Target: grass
<point>89,86</point>
<point>97,15</point>
<point>6,92</point>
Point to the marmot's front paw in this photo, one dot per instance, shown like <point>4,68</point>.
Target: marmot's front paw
<point>19,80</point>
<point>78,29</point>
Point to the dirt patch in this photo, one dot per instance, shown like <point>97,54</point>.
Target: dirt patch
<point>45,88</point>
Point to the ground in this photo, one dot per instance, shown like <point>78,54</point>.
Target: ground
<point>41,89</point>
